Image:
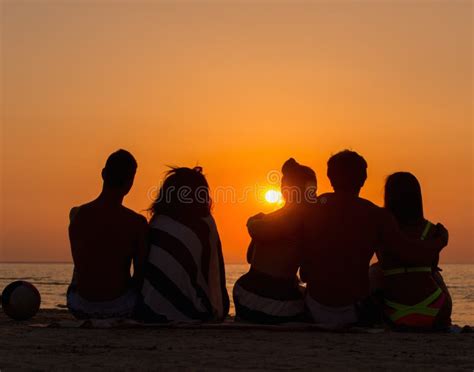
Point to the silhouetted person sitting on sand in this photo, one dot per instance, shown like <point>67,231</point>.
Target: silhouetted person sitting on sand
<point>105,238</point>
<point>270,292</point>
<point>342,232</point>
<point>184,274</point>
<point>415,294</point>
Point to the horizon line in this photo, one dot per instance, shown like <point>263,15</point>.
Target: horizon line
<point>71,262</point>
<point>228,263</point>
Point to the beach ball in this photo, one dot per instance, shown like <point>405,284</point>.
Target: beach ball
<point>21,300</point>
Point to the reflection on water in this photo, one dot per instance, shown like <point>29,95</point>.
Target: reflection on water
<point>52,281</point>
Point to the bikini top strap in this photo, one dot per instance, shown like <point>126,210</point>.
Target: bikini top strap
<point>421,269</point>
<point>426,230</point>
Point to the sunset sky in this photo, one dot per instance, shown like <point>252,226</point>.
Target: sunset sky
<point>236,87</point>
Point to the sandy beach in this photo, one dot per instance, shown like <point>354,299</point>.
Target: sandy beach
<point>25,347</point>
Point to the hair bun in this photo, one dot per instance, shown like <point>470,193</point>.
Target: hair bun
<point>290,165</point>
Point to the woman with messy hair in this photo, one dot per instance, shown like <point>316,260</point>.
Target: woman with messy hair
<point>184,273</point>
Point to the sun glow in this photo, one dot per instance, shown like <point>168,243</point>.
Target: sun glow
<point>273,197</point>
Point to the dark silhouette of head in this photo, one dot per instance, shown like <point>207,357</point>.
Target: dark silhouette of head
<point>119,172</point>
<point>299,183</point>
<point>403,198</point>
<point>347,171</point>
<point>184,195</point>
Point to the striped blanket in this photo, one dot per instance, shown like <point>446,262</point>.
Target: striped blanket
<point>184,274</point>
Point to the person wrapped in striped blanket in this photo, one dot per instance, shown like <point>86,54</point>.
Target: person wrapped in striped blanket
<point>184,274</point>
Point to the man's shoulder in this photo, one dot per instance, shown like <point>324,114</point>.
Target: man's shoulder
<point>368,204</point>
<point>74,211</point>
<point>85,206</point>
<point>134,216</point>
<point>321,200</point>
<point>378,213</point>
<point>325,196</point>
<point>332,200</point>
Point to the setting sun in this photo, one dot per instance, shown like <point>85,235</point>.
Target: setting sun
<point>273,197</point>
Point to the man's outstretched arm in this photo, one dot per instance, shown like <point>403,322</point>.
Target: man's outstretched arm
<point>272,226</point>
<point>412,251</point>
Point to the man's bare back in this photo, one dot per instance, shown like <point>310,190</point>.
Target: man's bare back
<point>105,239</point>
<point>342,233</point>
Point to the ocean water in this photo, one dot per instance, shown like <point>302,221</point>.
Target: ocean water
<point>52,281</point>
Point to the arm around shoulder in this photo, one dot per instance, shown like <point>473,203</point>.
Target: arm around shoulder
<point>412,251</point>
<point>272,226</point>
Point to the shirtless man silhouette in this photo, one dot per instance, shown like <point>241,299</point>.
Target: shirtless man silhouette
<point>106,238</point>
<point>341,234</point>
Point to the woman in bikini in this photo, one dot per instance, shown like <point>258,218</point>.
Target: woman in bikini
<point>415,295</point>
<point>270,293</point>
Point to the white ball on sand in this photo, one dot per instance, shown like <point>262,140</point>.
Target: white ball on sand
<point>21,300</point>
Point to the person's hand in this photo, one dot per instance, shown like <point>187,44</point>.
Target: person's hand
<point>442,235</point>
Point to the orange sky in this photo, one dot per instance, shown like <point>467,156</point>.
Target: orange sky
<point>236,87</point>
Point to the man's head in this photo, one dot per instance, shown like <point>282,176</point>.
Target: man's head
<point>347,171</point>
<point>119,171</point>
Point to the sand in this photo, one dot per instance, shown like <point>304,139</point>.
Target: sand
<point>25,347</point>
